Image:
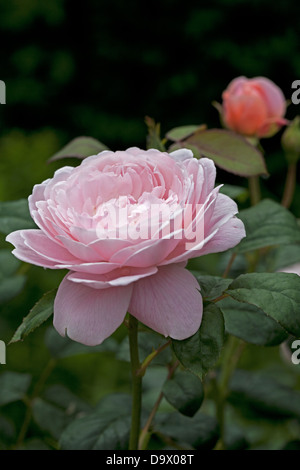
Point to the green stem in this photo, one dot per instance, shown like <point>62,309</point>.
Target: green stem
<point>145,434</point>
<point>290,185</point>
<point>232,354</point>
<point>150,358</point>
<point>254,188</point>
<point>136,384</point>
<point>229,265</point>
<point>29,401</point>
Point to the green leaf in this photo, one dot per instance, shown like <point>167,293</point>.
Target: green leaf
<point>57,409</point>
<point>105,428</point>
<point>41,311</point>
<point>251,324</point>
<point>148,342</point>
<point>185,392</point>
<point>182,132</point>
<point>15,215</point>
<point>80,147</point>
<point>283,257</point>
<point>234,438</point>
<point>200,431</point>
<point>276,294</point>
<point>49,417</point>
<point>63,398</point>
<point>60,347</point>
<point>153,138</point>
<point>264,395</point>
<point>211,286</point>
<point>7,432</point>
<point>200,352</point>
<point>229,151</point>
<point>238,193</point>
<point>268,224</point>
<point>13,386</point>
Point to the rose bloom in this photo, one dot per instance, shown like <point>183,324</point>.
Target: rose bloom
<point>253,107</point>
<point>110,275</point>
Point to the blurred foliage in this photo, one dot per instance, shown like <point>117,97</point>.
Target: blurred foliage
<point>98,70</point>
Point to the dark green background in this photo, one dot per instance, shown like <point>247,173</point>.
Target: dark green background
<point>98,68</point>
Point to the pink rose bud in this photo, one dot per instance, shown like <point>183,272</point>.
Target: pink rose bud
<point>253,107</point>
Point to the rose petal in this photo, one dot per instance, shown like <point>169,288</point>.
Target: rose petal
<point>181,154</point>
<point>83,252</point>
<point>33,246</point>
<point>89,315</point>
<point>118,277</point>
<point>147,253</point>
<point>273,96</point>
<point>169,302</point>
<point>93,268</point>
<point>227,236</point>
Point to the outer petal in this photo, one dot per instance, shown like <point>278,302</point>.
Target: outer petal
<point>181,154</point>
<point>204,175</point>
<point>235,85</point>
<point>245,113</point>
<point>118,277</point>
<point>224,230</point>
<point>223,209</point>
<point>41,192</point>
<point>33,246</point>
<point>273,95</point>
<point>89,315</point>
<point>92,268</point>
<point>228,236</point>
<point>204,227</point>
<point>169,302</point>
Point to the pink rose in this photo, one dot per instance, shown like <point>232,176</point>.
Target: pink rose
<point>253,107</point>
<point>112,274</point>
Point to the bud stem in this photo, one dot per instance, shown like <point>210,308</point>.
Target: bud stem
<point>254,188</point>
<point>290,185</point>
